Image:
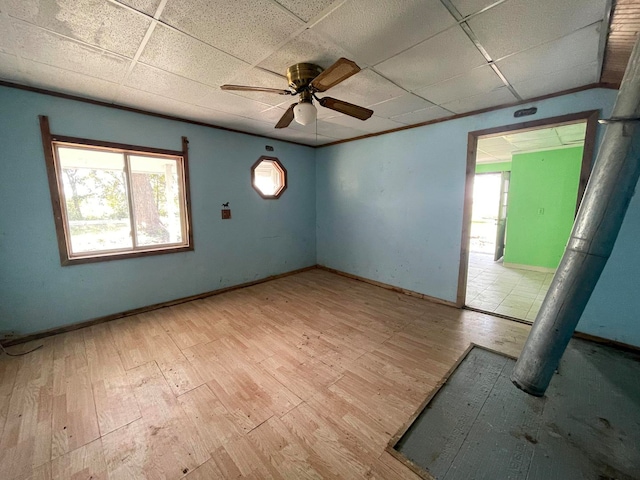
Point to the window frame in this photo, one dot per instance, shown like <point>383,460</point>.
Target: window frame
<point>50,142</point>
<point>283,171</point>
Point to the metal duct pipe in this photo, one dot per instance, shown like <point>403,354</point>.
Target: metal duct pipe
<point>594,233</point>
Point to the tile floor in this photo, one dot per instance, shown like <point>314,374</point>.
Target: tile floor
<point>493,287</point>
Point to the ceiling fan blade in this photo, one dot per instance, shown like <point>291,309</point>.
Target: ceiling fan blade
<point>244,88</point>
<point>346,108</point>
<point>336,73</point>
<point>287,118</point>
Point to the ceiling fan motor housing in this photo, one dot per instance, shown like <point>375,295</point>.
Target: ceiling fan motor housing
<point>300,75</point>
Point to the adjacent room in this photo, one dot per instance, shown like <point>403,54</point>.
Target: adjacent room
<point>280,239</point>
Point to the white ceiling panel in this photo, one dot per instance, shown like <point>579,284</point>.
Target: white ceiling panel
<point>308,47</point>
<point>64,81</point>
<point>575,49</point>
<point>306,10</point>
<point>339,132</point>
<point>475,82</point>
<point>159,82</point>
<point>373,124</point>
<point>469,7</point>
<point>418,64</point>
<point>499,96</point>
<point>397,106</point>
<point>484,157</point>
<point>537,144</point>
<point>572,133</point>
<point>517,25</point>
<point>374,31</point>
<point>231,103</point>
<point>558,81</point>
<point>247,29</point>
<point>96,22</point>
<point>7,37</point>
<point>444,56</point>
<point>39,45</point>
<point>180,54</point>
<point>423,115</point>
<point>365,88</point>
<point>9,70</point>
<point>147,6</point>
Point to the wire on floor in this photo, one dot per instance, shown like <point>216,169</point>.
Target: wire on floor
<point>20,354</point>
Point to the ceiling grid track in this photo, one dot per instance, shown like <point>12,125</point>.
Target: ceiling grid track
<point>462,21</point>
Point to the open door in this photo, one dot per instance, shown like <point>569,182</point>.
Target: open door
<point>501,231</point>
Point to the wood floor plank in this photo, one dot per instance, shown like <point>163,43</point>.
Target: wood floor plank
<point>75,422</point>
<point>307,376</point>
<point>26,438</point>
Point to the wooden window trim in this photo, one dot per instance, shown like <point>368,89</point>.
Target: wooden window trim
<point>49,141</point>
<point>284,177</point>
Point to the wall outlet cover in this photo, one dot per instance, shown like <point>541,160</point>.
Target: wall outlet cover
<point>226,214</point>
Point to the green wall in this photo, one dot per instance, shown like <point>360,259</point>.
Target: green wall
<point>542,204</point>
<point>493,167</point>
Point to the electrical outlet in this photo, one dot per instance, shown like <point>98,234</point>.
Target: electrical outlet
<point>226,214</point>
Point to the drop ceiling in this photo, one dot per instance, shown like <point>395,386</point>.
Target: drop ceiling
<point>500,148</point>
<point>421,60</point>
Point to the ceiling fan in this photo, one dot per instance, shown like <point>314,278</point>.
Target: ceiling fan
<point>306,79</point>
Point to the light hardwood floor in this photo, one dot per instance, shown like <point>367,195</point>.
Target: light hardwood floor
<point>307,376</point>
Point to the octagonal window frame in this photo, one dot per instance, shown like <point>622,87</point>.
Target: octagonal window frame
<point>283,176</point>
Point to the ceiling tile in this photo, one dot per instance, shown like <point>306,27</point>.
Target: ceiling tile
<point>549,142</point>
<point>304,9</point>
<point>166,84</point>
<point>494,145</point>
<point>96,22</point>
<point>575,49</point>
<point>444,56</point>
<point>468,7</point>
<point>339,132</point>
<point>9,68</point>
<point>499,96</point>
<point>56,79</point>
<point>484,157</point>
<point>6,39</point>
<point>541,21</point>
<point>423,115</point>
<point>558,81</point>
<point>374,31</point>
<point>185,56</point>
<point>572,133</point>
<point>538,134</point>
<point>373,124</point>
<point>247,29</point>
<point>308,47</point>
<point>147,6</point>
<point>256,77</point>
<point>231,103</point>
<point>39,45</point>
<point>298,136</point>
<point>474,82</point>
<point>396,106</point>
<point>365,88</point>
<point>132,97</point>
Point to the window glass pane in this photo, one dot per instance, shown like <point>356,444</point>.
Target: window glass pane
<point>156,184</point>
<point>267,177</point>
<point>95,197</point>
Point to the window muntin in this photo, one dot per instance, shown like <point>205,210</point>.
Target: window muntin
<point>269,177</point>
<point>116,202</point>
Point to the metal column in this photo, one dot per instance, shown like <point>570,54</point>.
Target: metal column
<point>594,233</point>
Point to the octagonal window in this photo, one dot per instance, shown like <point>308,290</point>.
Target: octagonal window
<point>269,177</point>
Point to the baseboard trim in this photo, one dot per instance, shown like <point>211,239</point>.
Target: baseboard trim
<point>387,286</point>
<point>531,268</point>
<point>136,311</point>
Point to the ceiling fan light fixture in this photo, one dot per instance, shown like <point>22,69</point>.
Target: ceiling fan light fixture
<point>305,113</point>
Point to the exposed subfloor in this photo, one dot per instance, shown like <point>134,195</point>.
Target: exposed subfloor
<point>492,287</point>
<point>587,426</point>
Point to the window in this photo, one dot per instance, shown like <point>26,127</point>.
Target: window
<point>269,177</point>
<point>113,201</point>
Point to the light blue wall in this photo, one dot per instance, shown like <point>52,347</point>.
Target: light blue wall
<point>264,237</point>
<point>613,310</point>
<point>389,208</point>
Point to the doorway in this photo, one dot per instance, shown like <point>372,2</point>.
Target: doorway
<point>524,184</point>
